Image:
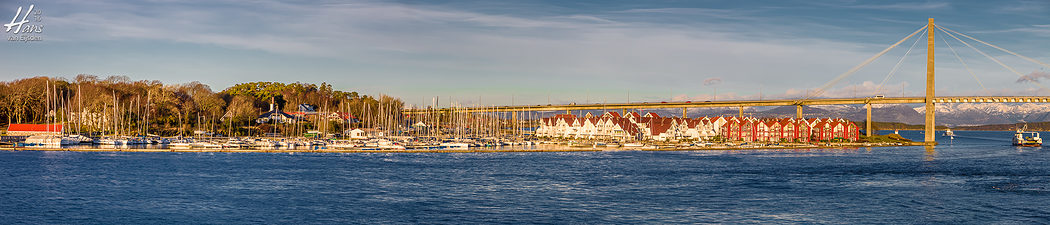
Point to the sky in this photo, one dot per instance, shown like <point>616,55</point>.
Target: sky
<point>539,52</point>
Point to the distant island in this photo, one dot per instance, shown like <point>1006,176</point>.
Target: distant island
<point>1036,126</point>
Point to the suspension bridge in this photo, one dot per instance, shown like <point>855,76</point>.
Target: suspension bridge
<point>930,99</point>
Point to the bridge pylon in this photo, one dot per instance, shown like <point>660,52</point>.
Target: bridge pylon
<point>930,91</point>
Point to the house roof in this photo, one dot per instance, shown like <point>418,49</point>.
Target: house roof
<point>34,127</point>
<point>278,113</point>
<point>658,128</point>
<point>633,114</point>
<point>693,123</point>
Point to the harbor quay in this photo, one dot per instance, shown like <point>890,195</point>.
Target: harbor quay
<point>477,133</point>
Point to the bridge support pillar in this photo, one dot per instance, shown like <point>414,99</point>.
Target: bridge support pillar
<point>685,114</point>
<point>741,112</point>
<point>798,111</point>
<point>867,122</point>
<point>568,112</point>
<point>930,91</point>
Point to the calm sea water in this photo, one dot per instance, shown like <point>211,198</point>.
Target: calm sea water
<point>978,178</point>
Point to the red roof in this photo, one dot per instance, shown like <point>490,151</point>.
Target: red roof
<point>34,127</point>
<point>658,128</point>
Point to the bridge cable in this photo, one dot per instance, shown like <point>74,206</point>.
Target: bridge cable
<point>965,65</point>
<point>993,59</point>
<point>898,66</point>
<point>821,90</point>
<point>997,47</point>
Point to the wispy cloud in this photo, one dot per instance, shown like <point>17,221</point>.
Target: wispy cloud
<point>1024,7</point>
<point>903,6</point>
<point>1042,30</point>
<point>712,81</point>
<point>1033,77</point>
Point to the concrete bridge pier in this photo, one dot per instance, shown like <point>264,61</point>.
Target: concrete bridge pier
<point>741,111</point>
<point>868,130</point>
<point>685,113</point>
<point>930,91</point>
<point>798,111</point>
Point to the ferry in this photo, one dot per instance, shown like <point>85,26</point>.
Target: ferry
<point>1027,139</point>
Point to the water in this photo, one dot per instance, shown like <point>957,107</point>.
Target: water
<point>978,178</point>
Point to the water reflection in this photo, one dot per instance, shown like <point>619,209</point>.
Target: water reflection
<point>930,154</point>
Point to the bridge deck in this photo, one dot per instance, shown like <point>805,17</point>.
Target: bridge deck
<point>747,103</point>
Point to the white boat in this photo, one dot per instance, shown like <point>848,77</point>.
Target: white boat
<point>51,140</point>
<point>455,145</point>
<point>387,144</point>
<point>206,144</point>
<point>180,145</point>
<point>266,143</point>
<point>234,144</point>
<point>633,144</point>
<point>342,144</point>
<point>111,141</point>
<point>1027,138</point>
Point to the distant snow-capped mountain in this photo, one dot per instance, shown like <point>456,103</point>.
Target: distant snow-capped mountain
<point>960,114</point>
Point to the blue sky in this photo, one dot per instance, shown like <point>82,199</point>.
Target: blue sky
<point>529,51</point>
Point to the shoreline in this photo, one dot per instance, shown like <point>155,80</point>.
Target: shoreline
<point>566,149</point>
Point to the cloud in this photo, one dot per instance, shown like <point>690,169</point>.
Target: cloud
<point>1036,29</point>
<point>1023,7</point>
<point>712,81</point>
<point>734,14</point>
<point>1033,77</point>
<point>904,6</point>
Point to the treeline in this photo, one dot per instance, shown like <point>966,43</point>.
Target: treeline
<point>118,104</point>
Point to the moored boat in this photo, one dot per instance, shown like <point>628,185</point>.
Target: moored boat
<point>455,145</point>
